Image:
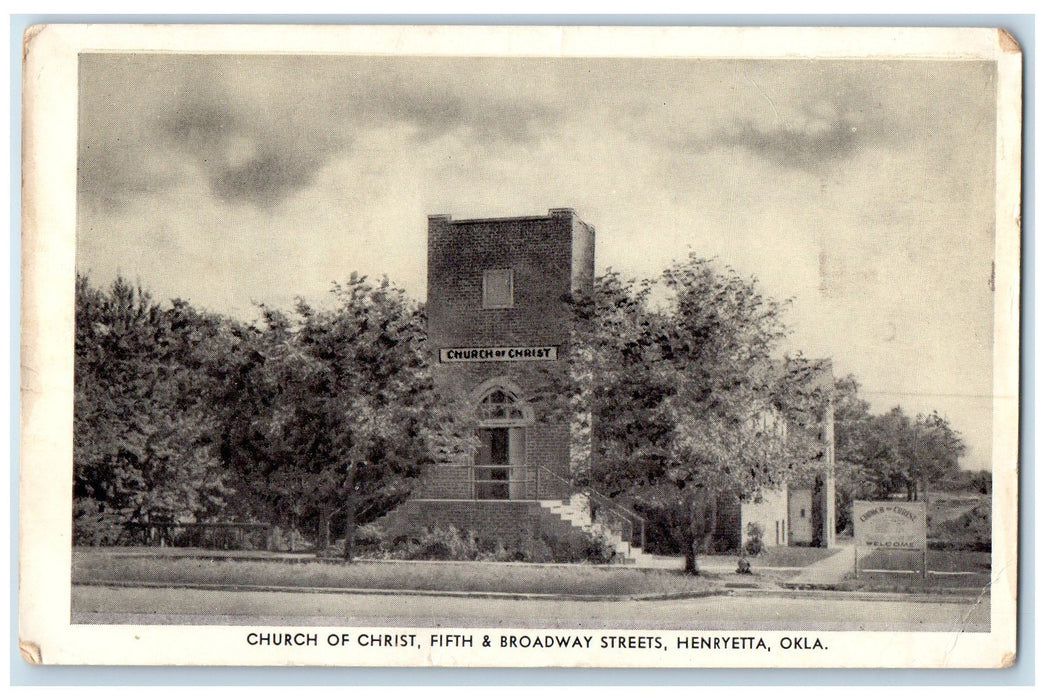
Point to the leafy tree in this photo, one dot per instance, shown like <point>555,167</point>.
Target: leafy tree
<point>334,411</point>
<point>303,416</point>
<point>142,424</point>
<point>691,402</point>
<point>978,481</point>
<point>935,450</point>
<point>880,455</point>
<point>619,378</point>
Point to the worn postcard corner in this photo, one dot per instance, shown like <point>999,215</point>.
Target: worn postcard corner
<point>520,346</point>
<point>30,652</point>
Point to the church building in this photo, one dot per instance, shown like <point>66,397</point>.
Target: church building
<point>500,334</point>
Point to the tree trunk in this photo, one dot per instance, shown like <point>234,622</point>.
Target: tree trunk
<point>350,513</point>
<point>690,536</point>
<point>691,557</point>
<point>694,533</point>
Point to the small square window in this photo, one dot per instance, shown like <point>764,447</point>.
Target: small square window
<point>497,289</point>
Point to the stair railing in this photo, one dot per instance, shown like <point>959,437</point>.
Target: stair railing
<point>628,525</point>
<point>631,526</point>
<point>502,482</point>
<point>553,478</point>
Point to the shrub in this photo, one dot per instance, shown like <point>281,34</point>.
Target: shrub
<point>495,552</point>
<point>558,550</point>
<point>95,526</point>
<point>448,543</point>
<point>663,527</point>
<point>292,540</point>
<point>722,544</point>
<point>441,543</point>
<point>370,537</point>
<point>754,544</point>
<point>599,550</point>
<point>970,532</point>
<point>542,552</point>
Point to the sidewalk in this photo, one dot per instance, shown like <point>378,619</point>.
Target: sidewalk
<point>826,573</point>
<point>719,564</point>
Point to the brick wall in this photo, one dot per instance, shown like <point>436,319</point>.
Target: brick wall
<point>543,388</point>
<point>550,256</point>
<point>446,481</point>
<point>727,523</point>
<point>549,447</point>
<point>539,252</point>
<point>455,481</point>
<point>583,259</point>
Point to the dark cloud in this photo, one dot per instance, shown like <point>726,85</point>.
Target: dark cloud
<point>259,129</point>
<point>201,124</point>
<point>263,159</point>
<point>437,110</point>
<point>811,116</point>
<point>247,159</point>
<point>266,178</point>
<point>813,138</point>
<point>808,148</point>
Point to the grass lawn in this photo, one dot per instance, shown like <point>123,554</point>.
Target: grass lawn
<point>104,566</point>
<point>793,559</point>
<point>898,570</point>
<point>797,557</point>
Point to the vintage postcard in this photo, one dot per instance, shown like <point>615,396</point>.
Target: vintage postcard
<point>520,346</point>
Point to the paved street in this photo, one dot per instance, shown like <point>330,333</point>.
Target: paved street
<point>99,605</point>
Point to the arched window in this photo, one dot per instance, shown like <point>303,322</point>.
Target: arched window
<point>499,402</point>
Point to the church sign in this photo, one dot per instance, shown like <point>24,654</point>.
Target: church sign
<point>889,524</point>
<point>499,354</point>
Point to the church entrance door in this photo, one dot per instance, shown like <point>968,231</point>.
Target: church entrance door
<point>498,465</point>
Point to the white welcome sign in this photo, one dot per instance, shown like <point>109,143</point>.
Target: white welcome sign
<point>889,524</point>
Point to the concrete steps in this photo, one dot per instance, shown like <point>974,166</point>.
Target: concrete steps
<point>575,513</point>
<point>567,521</point>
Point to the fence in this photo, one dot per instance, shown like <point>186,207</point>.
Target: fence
<point>219,535</point>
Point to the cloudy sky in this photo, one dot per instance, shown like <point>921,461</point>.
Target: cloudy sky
<point>861,190</point>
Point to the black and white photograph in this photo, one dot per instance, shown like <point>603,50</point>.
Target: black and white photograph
<point>520,346</point>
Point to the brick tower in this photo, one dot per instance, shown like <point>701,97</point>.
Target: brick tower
<point>499,329</point>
